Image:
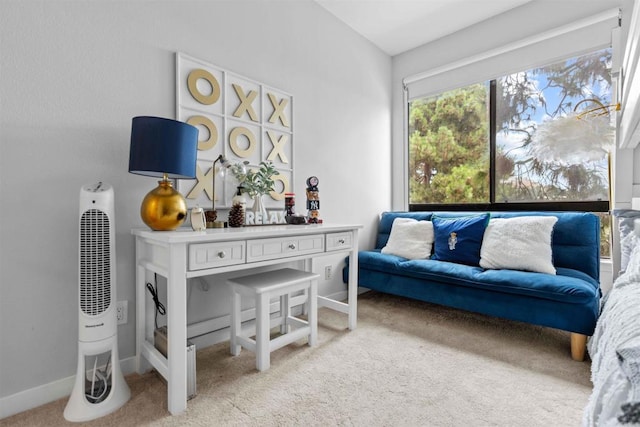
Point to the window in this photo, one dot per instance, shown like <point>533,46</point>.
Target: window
<point>515,143</point>
<point>449,147</point>
<point>543,152</point>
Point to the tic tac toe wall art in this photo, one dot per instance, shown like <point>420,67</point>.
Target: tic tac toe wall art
<point>238,117</point>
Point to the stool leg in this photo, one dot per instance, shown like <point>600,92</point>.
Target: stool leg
<point>283,316</point>
<point>305,305</point>
<point>262,332</point>
<point>313,313</point>
<point>285,312</point>
<point>236,323</point>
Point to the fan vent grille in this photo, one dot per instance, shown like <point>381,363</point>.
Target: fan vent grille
<point>95,262</point>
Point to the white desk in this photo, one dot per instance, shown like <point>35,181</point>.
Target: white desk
<point>182,254</point>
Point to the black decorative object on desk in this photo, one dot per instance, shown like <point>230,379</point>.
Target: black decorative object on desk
<point>289,204</point>
<point>290,211</point>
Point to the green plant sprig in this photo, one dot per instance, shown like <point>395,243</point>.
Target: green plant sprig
<point>255,182</point>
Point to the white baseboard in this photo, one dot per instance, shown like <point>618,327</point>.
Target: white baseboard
<point>46,393</point>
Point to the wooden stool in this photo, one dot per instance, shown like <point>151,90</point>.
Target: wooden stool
<point>262,287</point>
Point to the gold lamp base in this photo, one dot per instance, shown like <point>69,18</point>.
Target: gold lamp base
<point>163,208</point>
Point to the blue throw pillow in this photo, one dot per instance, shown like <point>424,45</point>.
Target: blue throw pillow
<point>459,239</point>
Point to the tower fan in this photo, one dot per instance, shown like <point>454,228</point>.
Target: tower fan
<point>99,387</point>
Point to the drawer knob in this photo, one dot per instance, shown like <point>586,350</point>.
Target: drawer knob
<point>292,246</point>
<point>341,241</point>
<point>222,254</point>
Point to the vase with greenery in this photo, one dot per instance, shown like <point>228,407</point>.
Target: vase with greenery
<point>255,183</point>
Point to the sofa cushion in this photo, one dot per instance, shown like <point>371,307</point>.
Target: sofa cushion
<point>410,239</point>
<point>459,239</point>
<point>570,286</point>
<point>566,288</point>
<point>575,243</point>
<point>520,243</point>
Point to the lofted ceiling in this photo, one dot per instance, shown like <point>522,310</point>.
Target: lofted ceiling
<point>396,26</point>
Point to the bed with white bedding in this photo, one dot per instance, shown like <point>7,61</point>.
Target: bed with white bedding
<point>614,347</point>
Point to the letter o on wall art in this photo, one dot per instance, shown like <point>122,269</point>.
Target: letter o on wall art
<point>192,84</point>
<point>211,142</point>
<point>233,141</point>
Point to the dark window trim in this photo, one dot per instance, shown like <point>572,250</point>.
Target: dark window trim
<point>582,206</point>
<point>492,140</point>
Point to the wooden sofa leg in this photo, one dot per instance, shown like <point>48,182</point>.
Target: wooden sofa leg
<point>578,346</point>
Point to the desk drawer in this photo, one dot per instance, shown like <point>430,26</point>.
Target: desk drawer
<point>339,241</point>
<point>265,249</point>
<point>211,255</point>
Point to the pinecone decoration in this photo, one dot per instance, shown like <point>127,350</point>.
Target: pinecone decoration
<point>236,215</point>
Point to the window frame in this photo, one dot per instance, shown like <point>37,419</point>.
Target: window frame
<point>492,205</point>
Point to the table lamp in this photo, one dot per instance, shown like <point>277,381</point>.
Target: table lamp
<point>168,149</point>
<point>212,214</point>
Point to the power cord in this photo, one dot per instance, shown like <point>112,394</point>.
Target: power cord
<point>100,382</point>
<point>153,289</point>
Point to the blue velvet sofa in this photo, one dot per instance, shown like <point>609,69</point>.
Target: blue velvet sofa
<point>569,300</point>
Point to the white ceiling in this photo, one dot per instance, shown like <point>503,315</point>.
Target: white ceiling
<point>400,25</point>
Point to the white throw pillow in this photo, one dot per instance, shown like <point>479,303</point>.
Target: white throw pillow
<point>410,239</point>
<point>519,243</point>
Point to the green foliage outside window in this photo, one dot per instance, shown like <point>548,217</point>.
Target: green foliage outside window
<point>449,150</point>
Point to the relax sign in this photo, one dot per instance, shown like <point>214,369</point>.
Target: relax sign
<point>257,218</point>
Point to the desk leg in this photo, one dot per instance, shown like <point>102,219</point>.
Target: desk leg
<point>177,330</point>
<point>142,365</point>
<point>353,283</point>
<point>141,326</point>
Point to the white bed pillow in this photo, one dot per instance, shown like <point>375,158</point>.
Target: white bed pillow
<point>632,270</point>
<point>629,226</point>
<point>410,239</point>
<point>519,243</point>
<point>627,245</point>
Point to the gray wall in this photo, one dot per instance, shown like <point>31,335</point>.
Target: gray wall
<point>74,73</point>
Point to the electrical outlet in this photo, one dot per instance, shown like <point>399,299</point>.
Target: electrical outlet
<point>122,308</point>
<point>327,272</point>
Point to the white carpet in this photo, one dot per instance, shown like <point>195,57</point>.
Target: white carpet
<point>407,364</point>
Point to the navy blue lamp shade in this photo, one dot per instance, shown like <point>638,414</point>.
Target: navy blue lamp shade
<point>168,149</point>
<point>163,146</point>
